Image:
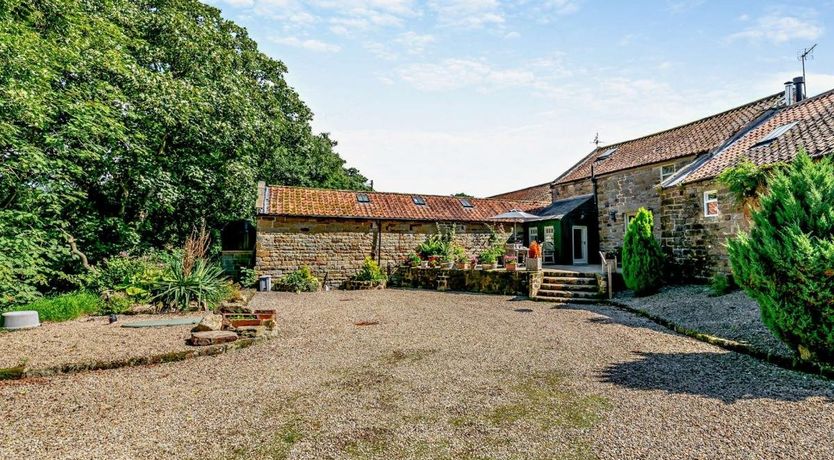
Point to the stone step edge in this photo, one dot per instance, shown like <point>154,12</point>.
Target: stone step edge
<point>569,287</point>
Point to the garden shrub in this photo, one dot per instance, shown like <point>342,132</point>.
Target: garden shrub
<point>64,307</point>
<point>134,276</point>
<point>115,303</point>
<point>203,283</point>
<point>370,271</point>
<point>642,256</point>
<point>301,280</point>
<point>721,284</point>
<point>786,261</point>
<point>248,277</point>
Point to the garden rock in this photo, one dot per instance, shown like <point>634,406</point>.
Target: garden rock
<point>205,338</point>
<point>210,322</point>
<point>252,332</point>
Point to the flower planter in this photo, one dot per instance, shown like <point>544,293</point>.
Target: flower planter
<point>354,285</point>
<point>462,266</point>
<point>534,264</point>
<point>491,266</point>
<point>424,264</point>
<point>447,265</point>
<point>511,267</point>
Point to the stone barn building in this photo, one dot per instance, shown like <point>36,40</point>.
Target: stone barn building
<point>673,174</point>
<point>332,231</point>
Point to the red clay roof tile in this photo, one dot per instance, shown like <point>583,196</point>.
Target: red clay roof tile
<point>313,202</point>
<point>694,138</point>
<point>539,192</point>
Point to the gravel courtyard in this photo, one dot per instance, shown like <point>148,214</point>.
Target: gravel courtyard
<point>442,375</point>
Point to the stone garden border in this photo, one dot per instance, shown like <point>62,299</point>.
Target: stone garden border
<point>792,364</point>
<point>21,372</point>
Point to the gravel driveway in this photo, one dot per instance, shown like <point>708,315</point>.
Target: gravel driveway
<point>442,375</point>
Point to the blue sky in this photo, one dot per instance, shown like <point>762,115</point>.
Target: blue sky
<point>486,96</point>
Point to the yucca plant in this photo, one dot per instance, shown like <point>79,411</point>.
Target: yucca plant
<point>204,284</point>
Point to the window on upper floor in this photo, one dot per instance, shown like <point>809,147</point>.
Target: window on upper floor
<point>667,171</point>
<point>711,204</point>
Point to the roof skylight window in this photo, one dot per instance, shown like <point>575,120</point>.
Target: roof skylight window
<point>466,203</point>
<point>418,200</point>
<point>363,198</point>
<point>773,135</point>
<point>606,154</point>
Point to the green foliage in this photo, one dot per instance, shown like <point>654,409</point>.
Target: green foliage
<point>64,307</point>
<point>370,271</point>
<point>458,253</point>
<point>248,277</point>
<point>786,261</point>
<point>721,284</point>
<point>432,246</point>
<point>116,302</point>
<point>414,259</point>
<point>642,256</point>
<point>746,180</point>
<point>301,280</point>
<point>129,122</point>
<point>491,254</point>
<point>204,284</point>
<point>134,276</point>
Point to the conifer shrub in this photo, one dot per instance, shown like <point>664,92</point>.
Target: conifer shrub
<point>642,256</point>
<point>786,261</point>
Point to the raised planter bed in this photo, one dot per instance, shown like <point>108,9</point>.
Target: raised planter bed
<point>354,285</point>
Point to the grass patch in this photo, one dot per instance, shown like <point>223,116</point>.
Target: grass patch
<point>543,399</point>
<point>64,307</point>
<point>12,373</point>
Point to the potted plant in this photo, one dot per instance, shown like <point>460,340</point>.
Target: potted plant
<point>488,259</point>
<point>448,261</point>
<point>414,260</point>
<point>510,263</point>
<point>534,257</point>
<point>434,261</point>
<point>459,255</point>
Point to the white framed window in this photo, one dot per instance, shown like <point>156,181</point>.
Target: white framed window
<point>667,171</point>
<point>533,233</point>
<point>711,203</point>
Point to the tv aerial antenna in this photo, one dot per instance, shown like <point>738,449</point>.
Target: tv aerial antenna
<point>806,54</point>
<point>596,140</point>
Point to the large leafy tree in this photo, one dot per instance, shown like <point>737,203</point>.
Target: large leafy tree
<point>123,123</point>
<point>786,261</point>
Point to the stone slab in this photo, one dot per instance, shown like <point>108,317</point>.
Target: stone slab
<point>205,338</point>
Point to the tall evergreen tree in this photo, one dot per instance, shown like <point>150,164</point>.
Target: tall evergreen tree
<point>642,256</point>
<point>786,261</point>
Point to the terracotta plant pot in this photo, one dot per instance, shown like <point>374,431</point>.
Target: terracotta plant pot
<point>511,267</point>
<point>461,266</point>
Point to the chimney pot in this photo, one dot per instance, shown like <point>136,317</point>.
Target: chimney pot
<point>799,88</point>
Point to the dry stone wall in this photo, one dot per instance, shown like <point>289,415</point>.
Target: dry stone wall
<point>336,248</point>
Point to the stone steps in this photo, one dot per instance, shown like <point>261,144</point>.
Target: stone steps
<point>567,287</point>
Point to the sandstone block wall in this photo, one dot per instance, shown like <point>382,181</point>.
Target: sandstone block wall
<point>621,194</point>
<point>337,247</point>
<point>695,245</point>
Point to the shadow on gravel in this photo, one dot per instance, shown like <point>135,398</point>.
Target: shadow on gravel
<point>728,377</point>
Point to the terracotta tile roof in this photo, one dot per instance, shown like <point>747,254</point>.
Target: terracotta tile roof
<point>539,192</point>
<point>697,137</point>
<point>814,130</point>
<point>313,202</point>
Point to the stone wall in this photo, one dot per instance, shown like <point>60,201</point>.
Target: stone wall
<point>695,244</point>
<point>621,194</point>
<point>484,281</point>
<point>570,189</point>
<point>337,247</point>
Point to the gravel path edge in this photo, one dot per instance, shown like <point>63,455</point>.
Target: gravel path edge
<point>789,363</point>
<point>21,372</point>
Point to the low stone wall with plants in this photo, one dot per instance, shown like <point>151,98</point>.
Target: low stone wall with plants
<point>483,281</point>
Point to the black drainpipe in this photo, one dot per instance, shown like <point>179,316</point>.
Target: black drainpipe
<point>379,242</point>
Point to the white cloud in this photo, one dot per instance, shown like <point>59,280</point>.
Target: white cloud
<point>381,51</point>
<point>413,42</point>
<point>308,44</point>
<point>451,74</point>
<point>467,13</point>
<point>779,28</point>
